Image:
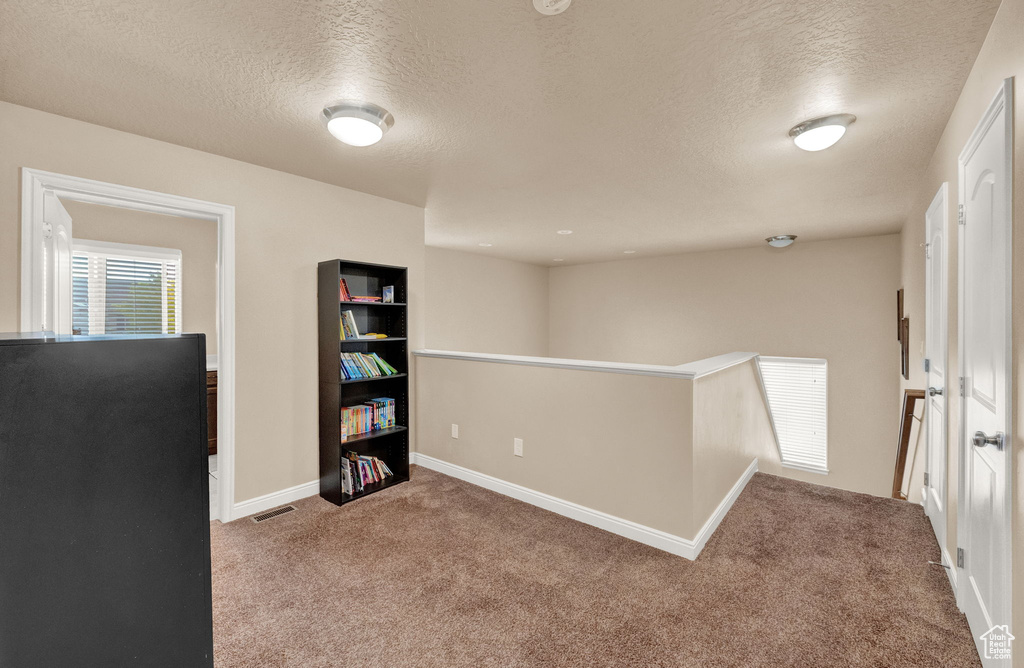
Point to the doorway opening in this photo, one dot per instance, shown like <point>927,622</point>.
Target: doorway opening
<point>116,286</point>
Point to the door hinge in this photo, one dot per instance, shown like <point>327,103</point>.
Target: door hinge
<point>960,214</point>
<point>961,386</point>
<point>47,231</point>
<point>927,365</point>
<point>959,557</point>
<point>925,478</point>
<point>927,251</point>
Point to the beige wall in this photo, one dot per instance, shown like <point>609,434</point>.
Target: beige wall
<point>1001,56</point>
<point>589,447</point>
<point>827,299</point>
<point>731,428</point>
<point>196,239</point>
<point>284,225</point>
<point>482,304</point>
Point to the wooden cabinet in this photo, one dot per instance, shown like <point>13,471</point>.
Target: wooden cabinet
<point>211,410</point>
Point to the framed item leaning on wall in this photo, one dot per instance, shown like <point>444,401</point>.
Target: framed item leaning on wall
<point>899,315</point>
<point>905,347</point>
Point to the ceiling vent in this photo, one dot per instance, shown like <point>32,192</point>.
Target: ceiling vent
<point>551,7</point>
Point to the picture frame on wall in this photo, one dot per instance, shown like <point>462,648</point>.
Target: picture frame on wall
<point>905,347</point>
<point>899,315</point>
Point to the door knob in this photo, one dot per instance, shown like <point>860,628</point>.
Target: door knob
<point>932,391</point>
<point>980,440</point>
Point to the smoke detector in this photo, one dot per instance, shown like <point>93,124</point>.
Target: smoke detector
<point>551,7</point>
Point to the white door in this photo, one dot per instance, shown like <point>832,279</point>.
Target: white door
<point>984,281</point>
<point>936,354</point>
<point>56,283</point>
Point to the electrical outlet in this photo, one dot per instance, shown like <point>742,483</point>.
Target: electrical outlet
<point>517,447</point>
<point>455,431</point>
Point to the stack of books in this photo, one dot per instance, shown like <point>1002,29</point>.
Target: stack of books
<point>358,471</point>
<point>346,296</point>
<point>355,366</point>
<point>374,415</point>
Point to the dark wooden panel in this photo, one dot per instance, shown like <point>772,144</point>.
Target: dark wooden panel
<point>104,504</point>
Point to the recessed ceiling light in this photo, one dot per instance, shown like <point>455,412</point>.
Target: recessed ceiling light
<point>628,252</point>
<point>558,259</point>
<point>485,245</point>
<point>357,123</point>
<point>820,133</point>
<point>565,231</point>
<point>781,241</point>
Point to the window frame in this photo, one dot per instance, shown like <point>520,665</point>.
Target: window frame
<point>810,361</point>
<point>107,250</point>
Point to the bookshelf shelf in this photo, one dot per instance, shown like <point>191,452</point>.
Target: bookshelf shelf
<point>374,487</point>
<point>390,445</point>
<point>372,380</point>
<point>390,338</point>
<point>371,304</point>
<point>380,433</point>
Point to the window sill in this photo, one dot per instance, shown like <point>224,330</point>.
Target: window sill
<point>801,467</point>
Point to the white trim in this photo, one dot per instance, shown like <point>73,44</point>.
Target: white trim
<point>125,251</point>
<point>35,183</point>
<point>275,499</point>
<point>687,371</point>
<point>661,540</point>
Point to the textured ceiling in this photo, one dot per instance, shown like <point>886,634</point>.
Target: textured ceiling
<point>654,126</point>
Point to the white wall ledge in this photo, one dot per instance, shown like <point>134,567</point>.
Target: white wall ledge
<point>688,371</point>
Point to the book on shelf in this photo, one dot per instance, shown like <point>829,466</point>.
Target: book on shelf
<point>358,471</point>
<point>374,415</point>
<point>344,294</point>
<point>356,366</point>
<point>349,329</point>
<point>363,298</point>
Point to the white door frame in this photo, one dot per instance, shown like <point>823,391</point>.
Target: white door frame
<point>35,183</point>
<point>939,261</point>
<point>1003,100</point>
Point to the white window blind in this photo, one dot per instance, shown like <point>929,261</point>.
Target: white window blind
<point>124,289</point>
<point>797,390</point>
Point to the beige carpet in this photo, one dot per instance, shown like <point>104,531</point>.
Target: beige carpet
<point>437,572</point>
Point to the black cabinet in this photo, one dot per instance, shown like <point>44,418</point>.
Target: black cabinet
<point>104,502</point>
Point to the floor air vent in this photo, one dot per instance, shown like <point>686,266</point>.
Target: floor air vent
<point>262,517</point>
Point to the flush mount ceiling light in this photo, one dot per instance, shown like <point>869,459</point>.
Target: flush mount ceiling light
<point>551,7</point>
<point>781,241</point>
<point>820,133</point>
<point>630,252</point>
<point>357,123</point>
<point>485,245</point>
<point>558,259</point>
<point>565,231</point>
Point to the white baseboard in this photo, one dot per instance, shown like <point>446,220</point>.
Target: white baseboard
<point>716,518</point>
<point>275,499</point>
<point>682,547</point>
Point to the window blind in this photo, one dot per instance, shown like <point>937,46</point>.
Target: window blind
<point>122,289</point>
<point>797,390</point>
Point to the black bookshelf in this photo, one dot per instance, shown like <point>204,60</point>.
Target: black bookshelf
<point>392,444</point>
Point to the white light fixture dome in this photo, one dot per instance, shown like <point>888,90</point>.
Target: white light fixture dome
<point>357,123</point>
<point>781,241</point>
<point>820,133</point>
